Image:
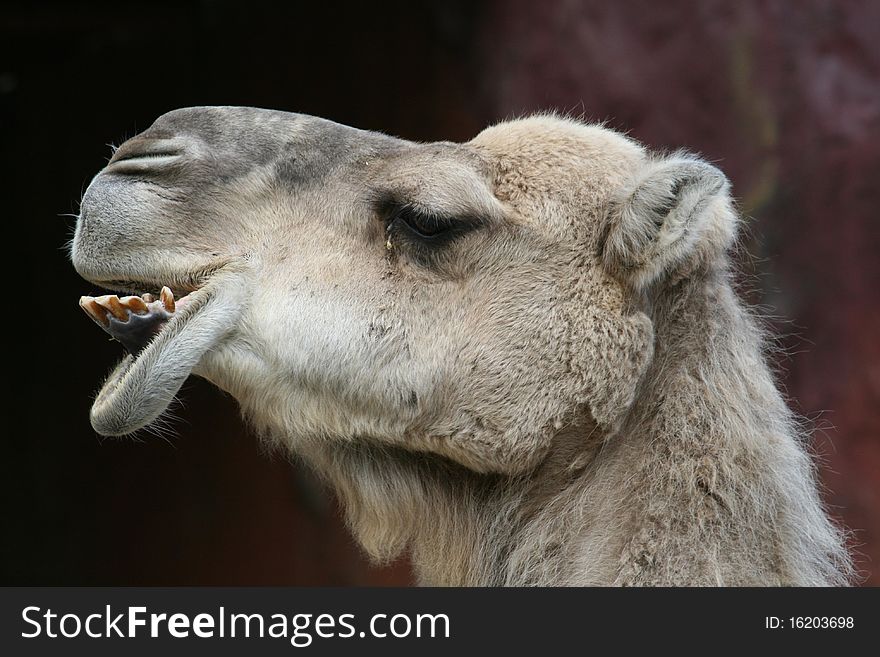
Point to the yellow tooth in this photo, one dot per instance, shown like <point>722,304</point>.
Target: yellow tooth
<point>111,303</point>
<point>167,298</point>
<point>135,304</point>
<point>148,298</point>
<point>93,310</point>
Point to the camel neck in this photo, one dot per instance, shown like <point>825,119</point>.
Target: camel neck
<point>704,483</point>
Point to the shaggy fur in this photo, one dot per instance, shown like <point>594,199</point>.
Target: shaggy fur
<point>561,388</point>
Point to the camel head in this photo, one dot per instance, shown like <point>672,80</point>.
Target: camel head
<point>467,300</point>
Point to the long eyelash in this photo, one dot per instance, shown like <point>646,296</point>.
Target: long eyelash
<point>408,212</point>
<point>450,227</point>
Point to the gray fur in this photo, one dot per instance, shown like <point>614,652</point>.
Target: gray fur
<point>569,393</point>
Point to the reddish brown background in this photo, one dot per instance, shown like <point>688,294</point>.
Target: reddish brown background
<point>785,97</point>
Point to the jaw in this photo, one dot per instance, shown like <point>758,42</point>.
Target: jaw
<point>142,386</point>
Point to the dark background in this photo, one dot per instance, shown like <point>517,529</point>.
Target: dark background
<point>785,97</point>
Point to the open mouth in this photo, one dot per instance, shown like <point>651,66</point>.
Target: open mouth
<point>133,320</point>
<point>166,337</point>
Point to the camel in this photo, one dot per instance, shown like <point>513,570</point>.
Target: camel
<point>519,360</point>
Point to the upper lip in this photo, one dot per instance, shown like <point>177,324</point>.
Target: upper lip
<point>139,288</point>
<point>181,284</point>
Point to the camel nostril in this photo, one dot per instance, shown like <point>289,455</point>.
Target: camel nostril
<point>145,156</point>
<point>138,155</point>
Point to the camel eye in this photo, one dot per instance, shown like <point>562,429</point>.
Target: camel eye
<point>422,233</point>
<point>423,224</point>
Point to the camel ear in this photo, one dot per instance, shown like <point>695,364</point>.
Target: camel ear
<point>676,213</point>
